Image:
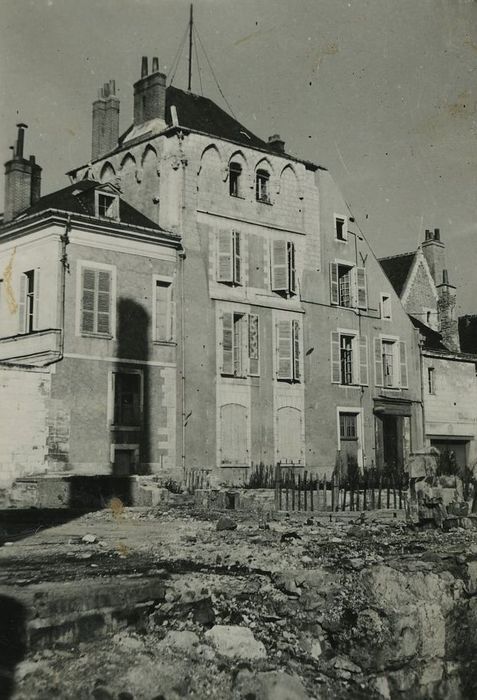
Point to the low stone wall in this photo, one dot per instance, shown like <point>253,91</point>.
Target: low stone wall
<point>262,500</point>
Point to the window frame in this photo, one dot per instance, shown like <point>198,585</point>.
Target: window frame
<point>344,219</point>
<point>28,306</point>
<point>92,264</point>
<point>295,376</point>
<point>237,263</point>
<point>242,364</point>
<point>431,381</point>
<point>289,288</point>
<point>358,411</point>
<point>385,297</point>
<point>112,399</point>
<point>400,361</point>
<point>166,281</point>
<point>236,169</point>
<point>262,186</point>
<point>114,205</point>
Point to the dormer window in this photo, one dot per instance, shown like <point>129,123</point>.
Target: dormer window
<point>235,172</point>
<point>262,186</point>
<point>107,206</point>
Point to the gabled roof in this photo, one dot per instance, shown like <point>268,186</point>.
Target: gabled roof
<point>79,198</point>
<point>432,339</point>
<point>397,269</point>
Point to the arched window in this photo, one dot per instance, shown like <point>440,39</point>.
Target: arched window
<point>262,191</point>
<point>235,172</point>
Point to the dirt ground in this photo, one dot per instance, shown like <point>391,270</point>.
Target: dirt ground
<point>283,609</point>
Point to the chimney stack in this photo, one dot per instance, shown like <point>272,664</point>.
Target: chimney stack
<point>277,143</point>
<point>105,132</point>
<point>434,252</point>
<point>150,93</point>
<point>22,179</point>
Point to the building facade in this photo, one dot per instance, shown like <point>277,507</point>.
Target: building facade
<point>88,335</point>
<point>449,378</point>
<point>293,346</point>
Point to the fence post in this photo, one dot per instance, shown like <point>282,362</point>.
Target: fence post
<point>305,492</point>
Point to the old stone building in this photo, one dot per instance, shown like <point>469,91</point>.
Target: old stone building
<point>449,381</point>
<point>87,331</point>
<point>292,343</point>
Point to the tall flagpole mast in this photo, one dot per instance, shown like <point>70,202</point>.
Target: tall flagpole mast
<point>191,21</point>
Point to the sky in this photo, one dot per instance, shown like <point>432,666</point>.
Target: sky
<point>381,92</point>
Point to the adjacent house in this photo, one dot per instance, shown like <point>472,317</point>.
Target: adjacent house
<point>87,331</point>
<point>293,346</point>
<point>449,381</point>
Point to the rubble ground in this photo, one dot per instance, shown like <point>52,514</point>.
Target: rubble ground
<point>241,608</point>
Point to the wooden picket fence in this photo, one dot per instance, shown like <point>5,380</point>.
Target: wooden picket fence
<point>372,490</point>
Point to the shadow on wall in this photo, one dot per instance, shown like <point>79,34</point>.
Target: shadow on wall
<point>12,642</point>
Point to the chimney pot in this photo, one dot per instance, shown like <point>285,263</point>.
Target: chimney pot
<point>144,70</point>
<point>437,234</point>
<point>277,143</point>
<point>155,64</point>
<point>105,129</point>
<point>22,179</point>
<point>445,276</point>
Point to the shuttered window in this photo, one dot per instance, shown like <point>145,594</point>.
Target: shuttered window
<point>164,311</point>
<point>378,362</point>
<point>96,301</point>
<point>229,257</point>
<point>240,343</point>
<point>403,364</point>
<point>390,363</point>
<point>361,290</point>
<point>283,267</point>
<point>349,359</point>
<point>288,351</point>
<point>348,286</point>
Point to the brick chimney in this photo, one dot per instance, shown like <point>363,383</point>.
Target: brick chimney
<point>105,131</point>
<point>434,252</point>
<point>277,143</point>
<point>150,93</point>
<point>22,179</point>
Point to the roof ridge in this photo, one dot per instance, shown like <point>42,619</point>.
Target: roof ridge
<point>398,255</point>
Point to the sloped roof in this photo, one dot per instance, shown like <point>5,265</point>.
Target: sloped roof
<point>432,339</point>
<point>397,268</point>
<point>78,198</point>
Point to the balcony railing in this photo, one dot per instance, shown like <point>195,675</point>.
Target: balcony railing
<point>38,348</point>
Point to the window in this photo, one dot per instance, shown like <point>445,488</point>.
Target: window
<point>127,399</point>
<point>262,189</point>
<point>431,380</point>
<point>28,301</point>
<point>341,231</point>
<point>240,344</point>
<point>349,358</point>
<point>235,172</point>
<point>107,206</point>
<point>348,286</point>
<point>95,301</point>
<point>288,351</point>
<point>386,306</point>
<point>283,267</point>
<point>348,426</point>
<point>229,265</point>
<point>346,359</point>
<point>390,363</point>
<point>164,311</point>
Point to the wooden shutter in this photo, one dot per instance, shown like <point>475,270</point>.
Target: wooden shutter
<point>88,300</point>
<point>334,296</point>
<point>172,312</point>
<point>162,311</point>
<point>363,360</point>
<point>403,364</point>
<point>279,266</point>
<point>296,349</point>
<point>104,302</point>
<point>284,350</point>
<point>22,305</point>
<point>361,291</point>
<point>253,345</point>
<point>291,268</point>
<point>36,299</point>
<point>227,343</point>
<point>335,358</point>
<point>225,257</point>
<point>234,435</point>
<point>378,362</point>
<point>237,257</point>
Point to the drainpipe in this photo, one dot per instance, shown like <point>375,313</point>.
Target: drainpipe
<point>421,370</point>
<point>65,267</point>
<point>182,257</point>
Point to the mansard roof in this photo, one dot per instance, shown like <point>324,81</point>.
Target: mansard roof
<point>79,198</point>
<point>397,269</point>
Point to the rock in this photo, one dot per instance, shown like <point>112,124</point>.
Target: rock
<point>89,539</point>
<point>183,641</point>
<point>101,692</point>
<point>316,650</point>
<point>287,536</point>
<point>235,642</point>
<point>226,523</point>
<point>277,685</point>
<point>127,641</point>
<point>357,563</point>
<point>381,686</point>
<point>342,663</point>
<point>286,582</point>
<point>125,695</point>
